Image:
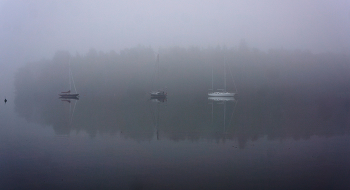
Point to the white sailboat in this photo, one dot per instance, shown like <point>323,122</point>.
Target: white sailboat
<point>68,94</point>
<point>223,92</point>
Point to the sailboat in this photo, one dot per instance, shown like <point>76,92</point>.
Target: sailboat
<point>223,93</point>
<point>158,94</point>
<point>68,94</point>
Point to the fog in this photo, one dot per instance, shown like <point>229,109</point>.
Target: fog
<point>288,125</point>
<point>281,94</point>
<point>34,29</point>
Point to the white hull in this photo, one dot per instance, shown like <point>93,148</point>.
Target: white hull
<point>158,94</point>
<point>221,99</point>
<point>221,94</point>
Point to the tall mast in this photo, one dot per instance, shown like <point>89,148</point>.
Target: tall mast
<point>212,79</point>
<point>158,67</point>
<point>71,79</point>
<point>224,73</point>
<point>69,74</point>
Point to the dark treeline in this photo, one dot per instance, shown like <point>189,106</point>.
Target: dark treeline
<point>281,93</point>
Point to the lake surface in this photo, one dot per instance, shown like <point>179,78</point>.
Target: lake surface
<point>288,128</point>
<point>181,143</point>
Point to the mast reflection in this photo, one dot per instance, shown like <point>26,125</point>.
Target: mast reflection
<point>155,110</point>
<point>69,113</point>
<point>223,101</point>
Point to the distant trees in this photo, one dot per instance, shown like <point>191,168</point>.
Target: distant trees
<point>272,86</point>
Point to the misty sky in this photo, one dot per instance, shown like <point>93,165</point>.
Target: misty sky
<point>33,29</point>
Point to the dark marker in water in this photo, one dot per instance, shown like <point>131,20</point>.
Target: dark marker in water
<point>5,100</point>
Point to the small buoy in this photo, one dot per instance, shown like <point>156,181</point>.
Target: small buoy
<point>5,100</point>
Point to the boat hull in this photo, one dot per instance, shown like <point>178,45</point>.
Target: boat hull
<point>68,95</point>
<point>69,98</point>
<point>221,94</point>
<point>158,94</point>
<point>221,99</point>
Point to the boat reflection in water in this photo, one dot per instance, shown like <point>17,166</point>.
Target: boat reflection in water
<point>221,99</point>
<point>159,99</point>
<point>70,113</point>
<point>224,101</point>
<point>68,99</point>
<point>155,110</point>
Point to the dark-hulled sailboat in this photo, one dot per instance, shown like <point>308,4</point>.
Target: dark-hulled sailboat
<point>68,94</point>
<point>158,93</point>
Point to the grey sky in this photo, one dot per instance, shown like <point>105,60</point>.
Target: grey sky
<point>32,29</point>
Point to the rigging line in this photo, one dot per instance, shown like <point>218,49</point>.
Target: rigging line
<point>155,69</point>
<point>70,108</point>
<point>154,78</point>
<point>233,111</point>
<point>153,114</point>
<point>212,78</point>
<point>158,115</point>
<point>71,78</point>
<point>233,80</point>
<point>158,67</point>
<point>225,73</point>
<point>74,85</point>
<point>212,112</point>
<point>73,111</point>
<point>69,75</point>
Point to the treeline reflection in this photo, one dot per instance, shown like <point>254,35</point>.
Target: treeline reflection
<point>281,94</point>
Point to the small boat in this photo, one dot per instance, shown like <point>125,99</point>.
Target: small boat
<point>68,94</point>
<point>221,94</point>
<point>158,93</point>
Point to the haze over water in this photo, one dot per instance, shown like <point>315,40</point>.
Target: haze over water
<point>287,127</point>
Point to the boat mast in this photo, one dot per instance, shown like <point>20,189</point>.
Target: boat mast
<point>74,83</point>
<point>71,79</point>
<point>224,74</point>
<point>69,74</point>
<point>158,67</point>
<point>212,79</point>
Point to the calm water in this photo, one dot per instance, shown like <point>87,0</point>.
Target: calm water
<point>181,143</point>
<point>288,128</point>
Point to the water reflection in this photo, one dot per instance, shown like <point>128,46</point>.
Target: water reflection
<point>137,142</point>
<point>156,104</point>
<point>158,99</point>
<point>275,115</point>
<point>70,101</point>
<point>65,114</point>
<point>221,99</point>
